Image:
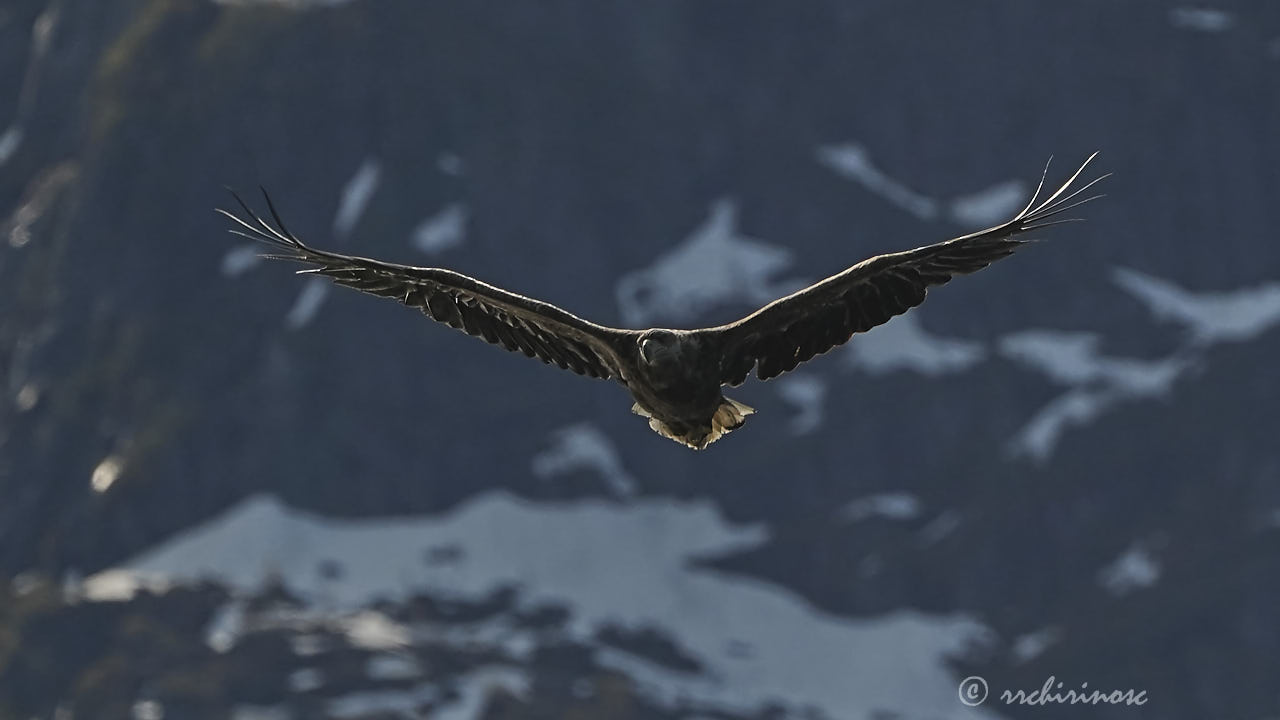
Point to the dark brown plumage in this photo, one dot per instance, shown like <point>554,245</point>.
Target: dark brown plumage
<point>675,376</point>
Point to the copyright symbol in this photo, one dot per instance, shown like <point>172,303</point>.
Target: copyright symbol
<point>973,690</point>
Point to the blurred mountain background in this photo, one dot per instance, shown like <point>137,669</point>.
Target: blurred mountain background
<point>230,492</point>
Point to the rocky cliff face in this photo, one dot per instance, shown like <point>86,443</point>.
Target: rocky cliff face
<point>226,491</point>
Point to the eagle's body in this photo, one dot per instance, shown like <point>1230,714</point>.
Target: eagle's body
<point>678,387</point>
<point>676,376</point>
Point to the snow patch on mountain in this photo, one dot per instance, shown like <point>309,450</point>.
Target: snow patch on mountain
<point>1201,19</point>
<point>1072,358</point>
<point>1030,646</point>
<point>372,630</point>
<point>888,505</point>
<point>356,194</point>
<point>1096,383</point>
<point>714,266</point>
<point>450,164</point>
<point>10,141</point>
<point>891,506</point>
<point>807,393</point>
<point>307,305</point>
<point>393,667</point>
<point>240,259</point>
<point>379,703</point>
<point>147,710</point>
<point>1210,317</point>
<point>607,564</point>
<point>305,680</point>
<point>980,209</point>
<point>937,529</point>
<point>261,539</point>
<point>1040,435</point>
<point>585,447</point>
<point>1136,568</point>
<point>446,229</point>
<point>261,712</point>
<point>475,688</point>
<point>904,344</point>
<point>989,207</point>
<point>355,197</point>
<point>853,161</point>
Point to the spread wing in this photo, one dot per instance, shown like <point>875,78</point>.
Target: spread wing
<point>515,322</point>
<point>793,329</point>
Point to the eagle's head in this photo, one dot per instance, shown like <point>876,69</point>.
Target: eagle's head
<point>659,348</point>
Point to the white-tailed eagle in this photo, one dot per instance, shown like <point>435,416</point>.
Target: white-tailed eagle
<point>675,376</point>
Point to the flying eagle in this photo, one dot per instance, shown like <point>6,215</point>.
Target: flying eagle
<point>675,376</point>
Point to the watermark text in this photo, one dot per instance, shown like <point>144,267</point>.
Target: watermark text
<point>974,691</point>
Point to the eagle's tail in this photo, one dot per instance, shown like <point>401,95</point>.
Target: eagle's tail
<point>728,417</point>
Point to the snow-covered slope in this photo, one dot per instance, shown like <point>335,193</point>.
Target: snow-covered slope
<point>755,645</point>
<point>316,504</point>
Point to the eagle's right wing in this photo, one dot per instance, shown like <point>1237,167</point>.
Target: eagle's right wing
<point>515,322</point>
<point>791,330</point>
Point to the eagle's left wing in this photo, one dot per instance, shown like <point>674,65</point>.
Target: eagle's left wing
<point>498,316</point>
<point>793,329</point>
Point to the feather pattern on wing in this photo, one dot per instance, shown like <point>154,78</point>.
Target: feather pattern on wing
<point>500,317</point>
<point>793,329</point>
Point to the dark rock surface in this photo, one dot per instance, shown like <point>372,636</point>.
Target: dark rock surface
<point>589,139</point>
